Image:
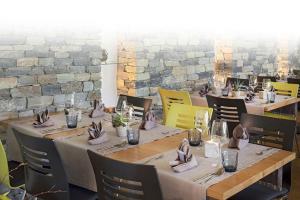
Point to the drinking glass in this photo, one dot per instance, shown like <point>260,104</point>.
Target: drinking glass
<point>266,84</point>
<point>194,137</point>
<point>230,160</point>
<point>72,119</point>
<point>219,131</point>
<point>133,136</point>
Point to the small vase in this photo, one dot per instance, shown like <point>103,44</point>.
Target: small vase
<point>233,93</point>
<point>121,131</point>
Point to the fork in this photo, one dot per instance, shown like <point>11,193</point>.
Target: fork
<point>154,158</point>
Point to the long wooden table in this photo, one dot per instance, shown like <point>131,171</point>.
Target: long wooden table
<point>224,189</point>
<point>257,107</point>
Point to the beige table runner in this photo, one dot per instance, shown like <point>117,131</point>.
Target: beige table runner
<point>180,186</point>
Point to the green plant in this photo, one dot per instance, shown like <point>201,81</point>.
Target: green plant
<point>118,120</point>
<point>236,85</point>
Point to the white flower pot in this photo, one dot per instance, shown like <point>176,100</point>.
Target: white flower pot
<point>121,131</point>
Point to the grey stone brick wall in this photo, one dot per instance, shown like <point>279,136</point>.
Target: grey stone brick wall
<point>42,71</point>
<point>146,63</point>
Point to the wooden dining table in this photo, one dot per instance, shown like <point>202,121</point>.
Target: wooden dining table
<point>221,190</point>
<point>224,189</point>
<point>257,106</point>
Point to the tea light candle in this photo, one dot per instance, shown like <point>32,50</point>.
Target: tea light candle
<point>211,149</point>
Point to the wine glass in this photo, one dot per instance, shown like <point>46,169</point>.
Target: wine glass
<point>219,132</point>
<point>266,84</point>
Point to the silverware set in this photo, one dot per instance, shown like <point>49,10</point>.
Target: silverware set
<point>209,176</point>
<point>106,148</point>
<point>154,158</point>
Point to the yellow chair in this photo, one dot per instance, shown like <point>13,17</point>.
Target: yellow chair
<point>171,96</point>
<point>286,89</point>
<point>4,170</point>
<point>183,116</point>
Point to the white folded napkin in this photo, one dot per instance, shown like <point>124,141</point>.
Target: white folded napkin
<point>185,159</point>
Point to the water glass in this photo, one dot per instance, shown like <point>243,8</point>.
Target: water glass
<point>230,160</point>
<point>72,120</point>
<point>133,136</point>
<point>194,136</point>
<point>271,97</point>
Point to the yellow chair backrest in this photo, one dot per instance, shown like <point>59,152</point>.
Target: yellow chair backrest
<point>183,116</point>
<point>4,171</point>
<point>287,89</point>
<point>171,96</point>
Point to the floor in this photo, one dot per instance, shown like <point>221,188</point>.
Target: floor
<point>295,193</point>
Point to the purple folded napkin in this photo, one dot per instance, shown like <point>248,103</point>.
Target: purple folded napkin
<point>149,121</point>
<point>185,159</point>
<point>250,96</point>
<point>97,134</point>
<point>98,110</point>
<point>240,137</point>
<point>43,120</point>
<point>204,90</point>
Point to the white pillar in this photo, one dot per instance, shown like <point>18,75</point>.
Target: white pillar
<point>109,71</point>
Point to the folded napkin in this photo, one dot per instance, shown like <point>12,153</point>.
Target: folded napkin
<point>250,96</point>
<point>43,120</point>
<point>240,137</point>
<point>98,110</point>
<point>185,159</point>
<point>204,90</point>
<point>149,121</point>
<point>97,134</point>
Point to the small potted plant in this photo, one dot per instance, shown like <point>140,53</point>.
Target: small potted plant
<point>120,124</point>
<point>236,89</point>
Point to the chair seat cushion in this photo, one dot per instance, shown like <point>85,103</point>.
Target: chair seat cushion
<point>259,192</point>
<point>79,193</point>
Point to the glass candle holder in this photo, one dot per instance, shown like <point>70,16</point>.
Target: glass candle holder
<point>133,136</point>
<point>225,92</point>
<point>230,160</point>
<point>194,137</point>
<point>72,120</point>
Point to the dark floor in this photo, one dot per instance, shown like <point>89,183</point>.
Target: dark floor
<point>295,191</point>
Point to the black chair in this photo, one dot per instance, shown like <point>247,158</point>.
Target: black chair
<point>227,109</point>
<point>272,132</point>
<point>243,82</point>
<point>120,180</point>
<point>141,105</point>
<point>44,171</point>
<point>260,80</point>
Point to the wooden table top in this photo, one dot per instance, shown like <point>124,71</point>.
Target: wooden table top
<point>224,189</point>
<point>266,106</point>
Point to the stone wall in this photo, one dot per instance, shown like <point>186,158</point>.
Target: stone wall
<point>174,62</point>
<point>38,71</point>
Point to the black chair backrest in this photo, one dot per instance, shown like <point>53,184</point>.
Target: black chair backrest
<point>124,180</point>
<point>260,81</point>
<point>43,170</point>
<point>241,81</point>
<point>141,105</point>
<point>274,132</point>
<point>295,81</point>
<point>227,109</point>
